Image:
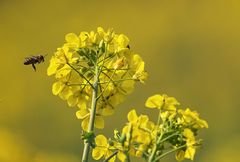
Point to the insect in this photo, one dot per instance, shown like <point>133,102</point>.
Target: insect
<point>34,60</point>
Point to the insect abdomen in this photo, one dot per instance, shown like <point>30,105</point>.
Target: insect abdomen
<point>30,60</point>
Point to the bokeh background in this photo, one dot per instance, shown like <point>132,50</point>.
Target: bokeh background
<point>191,49</point>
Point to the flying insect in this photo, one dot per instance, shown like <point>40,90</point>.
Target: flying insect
<point>32,60</point>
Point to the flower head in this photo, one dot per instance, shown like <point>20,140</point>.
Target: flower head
<point>74,67</point>
<point>192,118</point>
<point>176,129</point>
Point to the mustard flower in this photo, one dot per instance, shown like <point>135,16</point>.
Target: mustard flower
<point>192,118</point>
<point>105,148</point>
<point>177,129</point>
<point>102,149</point>
<point>74,67</point>
<point>190,141</point>
<point>162,102</point>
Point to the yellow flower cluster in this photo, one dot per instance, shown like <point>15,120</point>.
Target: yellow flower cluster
<point>175,128</point>
<point>104,55</point>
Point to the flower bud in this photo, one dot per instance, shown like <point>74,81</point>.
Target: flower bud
<point>118,64</point>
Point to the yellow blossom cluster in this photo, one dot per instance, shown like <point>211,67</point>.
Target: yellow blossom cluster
<point>175,131</point>
<point>103,57</point>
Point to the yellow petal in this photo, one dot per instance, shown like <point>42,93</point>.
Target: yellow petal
<point>72,100</point>
<point>116,99</point>
<point>107,111</point>
<point>123,40</point>
<point>85,124</point>
<point>135,62</point>
<point>190,152</point>
<point>97,153</point>
<point>101,140</point>
<point>65,93</point>
<point>118,64</point>
<point>57,87</point>
<point>140,74</point>
<point>82,105</point>
<point>121,156</point>
<point>109,153</point>
<point>101,32</point>
<point>155,101</point>
<point>140,150</point>
<point>188,134</point>
<point>143,119</point>
<point>180,155</point>
<point>99,122</point>
<point>64,71</point>
<point>125,129</point>
<point>132,116</point>
<point>82,113</point>
<point>83,36</point>
<point>53,66</point>
<point>127,86</point>
<point>164,115</point>
<point>202,123</point>
<point>72,38</point>
<point>116,134</point>
<point>171,101</point>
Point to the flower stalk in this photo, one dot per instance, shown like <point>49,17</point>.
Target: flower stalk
<point>111,156</point>
<point>87,144</point>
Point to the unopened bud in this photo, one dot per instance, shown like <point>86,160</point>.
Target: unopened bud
<point>119,64</point>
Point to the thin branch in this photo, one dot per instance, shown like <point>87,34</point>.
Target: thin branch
<point>105,58</point>
<point>108,78</point>
<point>172,135</point>
<point>168,152</point>
<point>106,85</point>
<point>111,156</point>
<point>112,69</point>
<point>81,75</point>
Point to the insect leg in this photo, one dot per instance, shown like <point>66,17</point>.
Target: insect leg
<point>34,67</point>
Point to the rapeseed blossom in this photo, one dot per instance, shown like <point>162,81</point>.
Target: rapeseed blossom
<point>143,138</point>
<point>95,71</point>
<point>74,67</point>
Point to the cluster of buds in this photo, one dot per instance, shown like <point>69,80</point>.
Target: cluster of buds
<point>101,58</point>
<point>175,130</point>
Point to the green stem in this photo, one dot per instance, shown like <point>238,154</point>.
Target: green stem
<point>127,158</point>
<point>80,74</point>
<point>159,117</point>
<point>111,156</point>
<point>168,152</point>
<point>106,85</point>
<point>160,140</point>
<point>92,115</point>
<point>172,135</point>
<point>153,153</point>
<point>152,156</point>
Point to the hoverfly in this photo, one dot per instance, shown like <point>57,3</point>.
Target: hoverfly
<point>34,60</point>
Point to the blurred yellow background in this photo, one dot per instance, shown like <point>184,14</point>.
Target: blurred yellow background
<point>191,49</point>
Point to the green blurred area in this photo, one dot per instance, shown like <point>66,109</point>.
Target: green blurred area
<point>191,49</point>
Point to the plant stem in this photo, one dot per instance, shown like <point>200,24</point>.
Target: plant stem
<point>171,151</point>
<point>152,156</point>
<point>172,135</point>
<point>81,75</point>
<point>106,85</point>
<point>127,158</point>
<point>111,156</point>
<point>159,117</point>
<point>92,115</point>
